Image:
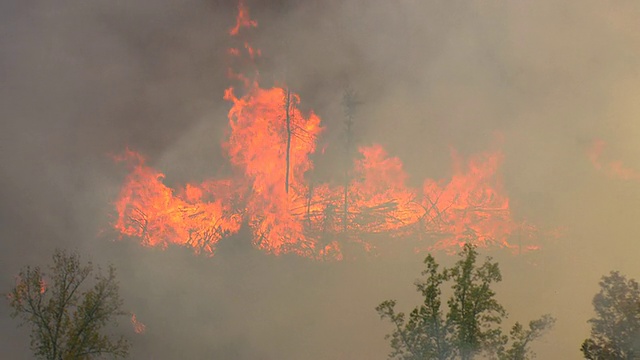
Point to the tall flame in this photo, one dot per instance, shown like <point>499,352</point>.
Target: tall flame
<point>256,146</point>
<point>270,144</point>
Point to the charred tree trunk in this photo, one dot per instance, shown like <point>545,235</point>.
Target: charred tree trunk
<point>309,198</point>
<point>288,155</point>
<point>349,104</point>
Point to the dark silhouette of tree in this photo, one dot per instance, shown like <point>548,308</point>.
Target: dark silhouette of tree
<point>473,310</point>
<point>350,103</point>
<point>472,324</point>
<point>426,335</point>
<point>68,309</point>
<point>522,337</point>
<point>615,331</point>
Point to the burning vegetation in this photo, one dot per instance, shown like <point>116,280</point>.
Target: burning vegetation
<point>270,144</point>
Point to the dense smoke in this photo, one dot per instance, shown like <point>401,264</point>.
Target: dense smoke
<point>84,80</point>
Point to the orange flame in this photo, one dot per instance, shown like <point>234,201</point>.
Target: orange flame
<point>255,146</point>
<point>138,327</point>
<point>242,20</point>
<point>270,144</point>
<point>308,221</point>
<point>199,215</point>
<point>471,206</point>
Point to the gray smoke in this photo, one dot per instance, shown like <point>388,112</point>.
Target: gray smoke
<point>84,79</point>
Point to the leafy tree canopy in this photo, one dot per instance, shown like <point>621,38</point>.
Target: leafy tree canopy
<point>615,331</point>
<point>68,309</point>
<point>470,327</point>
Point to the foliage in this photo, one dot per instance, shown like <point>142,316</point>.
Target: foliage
<point>521,338</point>
<point>615,331</point>
<point>425,335</point>
<point>472,324</point>
<point>67,316</point>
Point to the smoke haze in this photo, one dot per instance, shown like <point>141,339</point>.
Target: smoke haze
<point>81,80</point>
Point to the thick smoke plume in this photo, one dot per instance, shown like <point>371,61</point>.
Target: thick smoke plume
<point>84,80</point>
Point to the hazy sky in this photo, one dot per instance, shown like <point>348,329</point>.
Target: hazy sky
<point>80,80</point>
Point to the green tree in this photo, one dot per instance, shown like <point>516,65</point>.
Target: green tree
<point>68,309</point>
<point>425,335</point>
<point>522,337</point>
<point>472,323</point>
<point>615,331</point>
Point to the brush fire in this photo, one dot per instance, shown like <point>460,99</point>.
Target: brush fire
<point>270,145</point>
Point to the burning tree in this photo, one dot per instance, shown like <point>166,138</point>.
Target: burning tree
<point>472,324</point>
<point>67,315</point>
<point>271,145</point>
<point>615,331</point>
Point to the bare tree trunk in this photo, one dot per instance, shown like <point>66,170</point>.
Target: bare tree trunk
<point>349,104</point>
<point>309,198</point>
<point>288,119</point>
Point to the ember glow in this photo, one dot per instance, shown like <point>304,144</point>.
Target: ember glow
<point>138,327</point>
<point>270,145</point>
<point>43,286</point>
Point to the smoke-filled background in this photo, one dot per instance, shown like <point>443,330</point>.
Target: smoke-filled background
<point>81,80</point>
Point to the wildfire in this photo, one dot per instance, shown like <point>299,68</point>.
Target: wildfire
<point>270,144</point>
<point>198,215</point>
<point>242,20</point>
<point>138,327</point>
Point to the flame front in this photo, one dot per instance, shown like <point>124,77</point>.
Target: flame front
<point>270,145</point>
<point>198,215</point>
